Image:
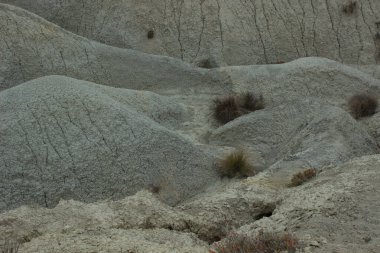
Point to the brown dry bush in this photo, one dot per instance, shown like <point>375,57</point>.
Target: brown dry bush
<point>150,34</point>
<point>349,7</point>
<point>231,107</point>
<point>302,177</point>
<point>226,109</point>
<point>263,243</point>
<point>236,164</point>
<point>206,64</point>
<point>362,105</point>
<point>251,102</point>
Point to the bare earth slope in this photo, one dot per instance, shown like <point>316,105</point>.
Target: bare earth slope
<point>65,138</point>
<point>31,47</point>
<point>224,31</point>
<point>77,155</point>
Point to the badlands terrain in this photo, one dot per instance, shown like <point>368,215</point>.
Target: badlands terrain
<point>109,141</point>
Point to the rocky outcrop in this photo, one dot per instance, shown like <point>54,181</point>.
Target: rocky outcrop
<point>212,33</point>
<point>340,204</point>
<point>337,210</point>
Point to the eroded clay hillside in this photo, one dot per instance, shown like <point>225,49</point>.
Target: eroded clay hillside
<point>218,32</point>
<point>111,141</point>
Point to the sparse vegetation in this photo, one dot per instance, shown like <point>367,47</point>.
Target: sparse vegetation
<point>236,164</point>
<point>263,243</point>
<point>206,64</point>
<point>231,107</point>
<point>302,177</point>
<point>150,34</point>
<point>226,109</point>
<point>349,7</point>
<point>362,105</point>
<point>251,102</point>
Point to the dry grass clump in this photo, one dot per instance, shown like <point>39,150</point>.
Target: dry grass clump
<point>263,243</point>
<point>236,164</point>
<point>251,102</point>
<point>231,107</point>
<point>362,105</point>
<point>349,7</point>
<point>302,177</point>
<point>226,109</point>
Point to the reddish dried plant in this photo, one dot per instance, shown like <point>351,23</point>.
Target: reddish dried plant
<point>303,177</point>
<point>263,243</point>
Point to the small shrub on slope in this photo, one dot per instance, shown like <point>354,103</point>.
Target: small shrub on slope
<point>362,105</point>
<point>263,243</point>
<point>303,177</point>
<point>236,164</point>
<point>349,7</point>
<point>231,107</point>
<point>150,34</point>
<point>226,109</point>
<point>251,102</point>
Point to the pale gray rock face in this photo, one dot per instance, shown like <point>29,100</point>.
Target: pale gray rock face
<point>116,240</point>
<point>31,47</point>
<point>373,70</point>
<point>307,133</point>
<point>338,210</point>
<point>306,77</point>
<point>372,125</point>
<point>141,211</point>
<point>233,33</point>
<point>65,138</point>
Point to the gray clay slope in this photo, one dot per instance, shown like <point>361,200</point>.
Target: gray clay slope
<point>65,138</point>
<point>221,32</point>
<point>31,47</point>
<point>82,150</point>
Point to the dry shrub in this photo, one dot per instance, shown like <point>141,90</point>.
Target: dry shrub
<point>362,105</point>
<point>251,102</point>
<point>231,107</point>
<point>150,34</point>
<point>236,164</point>
<point>263,243</point>
<point>226,109</point>
<point>349,7</point>
<point>206,64</point>
<point>303,177</point>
